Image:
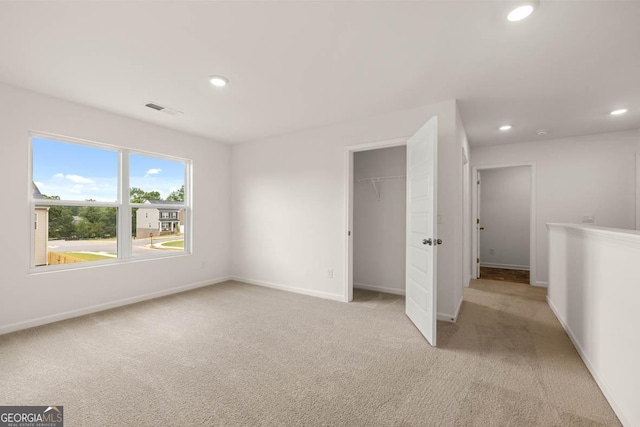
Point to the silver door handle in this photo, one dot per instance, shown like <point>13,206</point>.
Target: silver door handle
<point>427,241</point>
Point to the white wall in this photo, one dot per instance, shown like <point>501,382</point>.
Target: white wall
<point>594,291</point>
<point>379,224</point>
<point>504,214</point>
<point>29,299</point>
<point>575,176</point>
<point>288,204</point>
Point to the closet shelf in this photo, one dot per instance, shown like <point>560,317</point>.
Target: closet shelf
<point>381,178</point>
<point>375,179</point>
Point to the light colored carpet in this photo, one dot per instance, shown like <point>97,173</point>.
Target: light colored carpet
<point>235,354</point>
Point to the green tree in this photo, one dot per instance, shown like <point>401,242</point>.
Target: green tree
<point>60,220</point>
<point>138,195</point>
<point>83,229</point>
<point>90,214</point>
<point>109,220</point>
<point>177,196</point>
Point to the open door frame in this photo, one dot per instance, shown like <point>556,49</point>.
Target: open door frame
<point>532,218</point>
<point>349,152</point>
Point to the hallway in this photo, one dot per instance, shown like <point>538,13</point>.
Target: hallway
<point>520,361</point>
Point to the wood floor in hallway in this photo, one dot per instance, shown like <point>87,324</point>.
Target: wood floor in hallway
<point>504,275</point>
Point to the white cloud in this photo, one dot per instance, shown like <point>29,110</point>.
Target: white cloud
<point>78,179</point>
<point>154,171</point>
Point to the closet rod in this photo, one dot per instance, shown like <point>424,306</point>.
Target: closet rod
<point>381,178</point>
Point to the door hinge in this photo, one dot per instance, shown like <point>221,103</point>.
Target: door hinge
<point>477,260</point>
<point>348,233</point>
<point>478,182</point>
<point>477,220</point>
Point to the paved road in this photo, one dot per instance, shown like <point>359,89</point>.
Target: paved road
<point>139,247</point>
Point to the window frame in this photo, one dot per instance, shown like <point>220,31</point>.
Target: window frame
<point>123,204</point>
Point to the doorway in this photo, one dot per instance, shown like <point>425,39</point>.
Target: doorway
<point>421,223</point>
<point>351,152</point>
<point>379,220</point>
<point>505,224</point>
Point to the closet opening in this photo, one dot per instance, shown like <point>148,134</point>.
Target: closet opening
<point>379,224</point>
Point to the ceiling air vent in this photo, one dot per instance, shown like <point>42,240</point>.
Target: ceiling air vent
<point>162,108</point>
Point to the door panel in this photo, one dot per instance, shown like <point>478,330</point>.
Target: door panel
<point>421,227</point>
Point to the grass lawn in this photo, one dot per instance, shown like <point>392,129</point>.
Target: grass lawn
<point>175,244</point>
<point>86,257</point>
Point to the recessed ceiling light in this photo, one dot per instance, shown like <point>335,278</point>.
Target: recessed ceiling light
<point>618,112</point>
<point>505,127</point>
<point>218,81</point>
<point>519,13</point>
<point>542,131</point>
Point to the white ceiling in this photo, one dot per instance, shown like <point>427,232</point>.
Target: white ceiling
<point>294,65</point>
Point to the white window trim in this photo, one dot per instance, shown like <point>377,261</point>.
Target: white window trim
<point>123,204</point>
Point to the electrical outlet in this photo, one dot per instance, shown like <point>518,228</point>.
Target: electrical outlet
<point>588,219</point>
<point>492,251</point>
<point>330,273</point>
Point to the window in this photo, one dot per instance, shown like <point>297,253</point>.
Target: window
<point>92,196</point>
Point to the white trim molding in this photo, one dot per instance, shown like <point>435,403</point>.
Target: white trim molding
<point>594,373</point>
<point>280,287</point>
<point>593,291</point>
<point>348,204</point>
<point>532,220</point>
<point>384,289</point>
<point>13,327</point>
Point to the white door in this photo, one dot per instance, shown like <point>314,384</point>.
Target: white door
<point>422,172</point>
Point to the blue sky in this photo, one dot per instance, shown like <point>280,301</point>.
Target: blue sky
<point>78,172</point>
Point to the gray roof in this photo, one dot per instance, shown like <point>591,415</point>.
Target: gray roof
<point>36,191</point>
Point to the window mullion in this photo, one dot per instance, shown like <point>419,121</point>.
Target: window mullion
<point>124,223</point>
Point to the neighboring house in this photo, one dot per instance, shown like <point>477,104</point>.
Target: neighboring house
<point>41,225</point>
<point>158,219</point>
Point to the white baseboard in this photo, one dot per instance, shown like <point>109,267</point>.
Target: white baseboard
<point>13,327</point>
<point>445,317</point>
<point>384,289</point>
<point>319,294</point>
<point>540,284</point>
<point>468,280</point>
<point>594,373</point>
<point>458,309</point>
<point>505,266</point>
